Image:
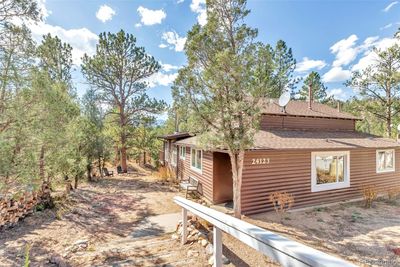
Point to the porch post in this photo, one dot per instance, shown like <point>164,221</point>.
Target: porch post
<point>184,226</point>
<point>217,237</point>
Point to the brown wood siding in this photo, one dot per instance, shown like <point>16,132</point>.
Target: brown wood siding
<point>290,171</point>
<point>292,122</point>
<point>223,183</point>
<point>205,178</point>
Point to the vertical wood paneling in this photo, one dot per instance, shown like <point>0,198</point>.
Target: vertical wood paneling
<point>290,171</point>
<point>292,122</point>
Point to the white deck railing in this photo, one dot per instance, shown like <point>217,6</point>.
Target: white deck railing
<point>280,249</point>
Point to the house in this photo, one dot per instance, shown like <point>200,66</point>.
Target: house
<point>308,149</point>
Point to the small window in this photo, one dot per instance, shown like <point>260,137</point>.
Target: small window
<point>174,155</point>
<point>182,152</point>
<point>196,160</point>
<point>330,170</point>
<point>385,160</point>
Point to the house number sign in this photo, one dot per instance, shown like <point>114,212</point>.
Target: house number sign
<point>260,161</point>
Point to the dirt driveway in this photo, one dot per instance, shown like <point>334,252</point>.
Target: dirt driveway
<point>102,224</point>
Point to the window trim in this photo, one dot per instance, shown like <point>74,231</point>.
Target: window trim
<point>394,160</point>
<point>182,148</point>
<point>330,186</point>
<point>200,171</point>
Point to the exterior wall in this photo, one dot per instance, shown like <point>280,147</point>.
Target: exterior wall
<point>205,177</point>
<point>290,171</point>
<point>223,183</point>
<point>292,122</point>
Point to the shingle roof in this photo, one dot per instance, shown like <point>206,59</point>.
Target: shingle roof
<point>300,108</point>
<point>177,135</point>
<point>303,139</point>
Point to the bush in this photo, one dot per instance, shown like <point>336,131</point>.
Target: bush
<point>393,193</point>
<point>282,202</point>
<point>370,194</point>
<point>165,174</point>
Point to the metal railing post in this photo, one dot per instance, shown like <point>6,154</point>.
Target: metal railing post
<point>217,237</point>
<point>184,226</point>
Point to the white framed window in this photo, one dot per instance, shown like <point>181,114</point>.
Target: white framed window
<point>385,160</point>
<point>196,160</point>
<point>330,170</point>
<point>166,154</point>
<point>182,152</point>
<point>174,155</point>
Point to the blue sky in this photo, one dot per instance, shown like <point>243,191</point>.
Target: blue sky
<point>331,37</point>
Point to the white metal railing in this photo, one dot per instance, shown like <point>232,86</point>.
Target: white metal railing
<point>281,249</point>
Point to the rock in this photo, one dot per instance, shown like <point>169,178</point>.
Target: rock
<point>225,260</point>
<point>58,261</point>
<point>192,253</point>
<point>211,261</point>
<point>204,242</point>
<point>210,249</point>
<point>174,236</point>
<point>81,243</point>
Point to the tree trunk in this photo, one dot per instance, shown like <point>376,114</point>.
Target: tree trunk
<point>237,168</point>
<point>76,182</point>
<point>41,164</point>
<point>100,170</point>
<point>124,165</point>
<point>89,170</point>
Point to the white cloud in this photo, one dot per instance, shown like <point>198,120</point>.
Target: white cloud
<point>345,51</point>
<point>388,7</point>
<point>105,13</point>
<point>138,25</point>
<point>151,17</point>
<point>387,26</point>
<point>179,1</point>
<point>44,12</point>
<point>168,67</point>
<point>337,93</point>
<point>174,41</point>
<point>82,40</point>
<point>369,56</point>
<point>336,74</point>
<point>199,7</point>
<point>161,79</point>
<point>308,64</point>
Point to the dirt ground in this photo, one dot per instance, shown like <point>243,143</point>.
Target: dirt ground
<point>366,237</point>
<point>97,227</point>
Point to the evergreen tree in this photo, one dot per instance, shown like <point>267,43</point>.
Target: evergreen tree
<point>117,72</point>
<point>224,83</point>
<point>318,88</point>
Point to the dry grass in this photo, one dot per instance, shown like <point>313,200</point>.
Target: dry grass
<point>393,193</point>
<point>282,202</point>
<point>164,174</point>
<point>370,194</point>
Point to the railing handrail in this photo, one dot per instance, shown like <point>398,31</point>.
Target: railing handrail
<point>281,249</point>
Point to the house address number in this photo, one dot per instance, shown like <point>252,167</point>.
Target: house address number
<point>260,161</point>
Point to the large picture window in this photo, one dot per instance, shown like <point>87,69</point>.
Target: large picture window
<point>196,159</point>
<point>330,170</point>
<point>385,160</point>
